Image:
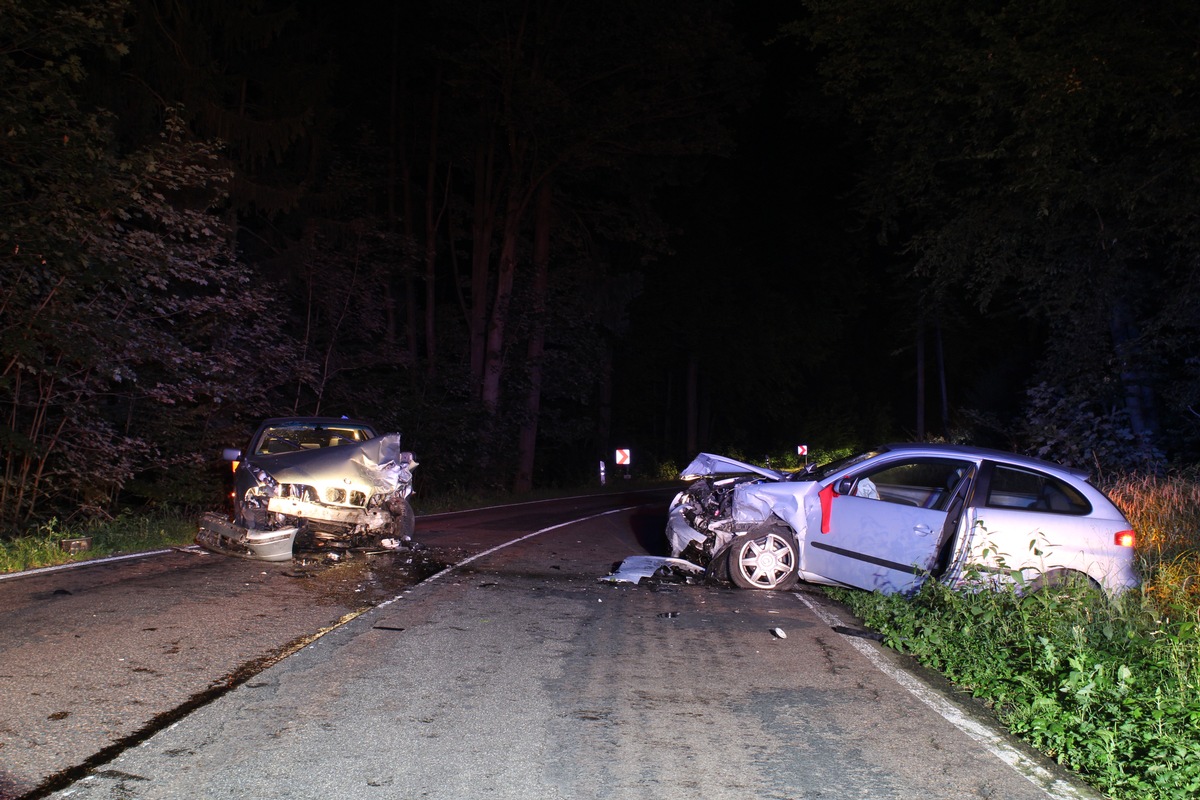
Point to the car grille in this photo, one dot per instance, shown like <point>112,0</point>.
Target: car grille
<point>334,495</point>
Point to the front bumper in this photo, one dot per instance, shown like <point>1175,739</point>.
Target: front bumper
<point>220,535</point>
<point>679,533</point>
<point>348,516</point>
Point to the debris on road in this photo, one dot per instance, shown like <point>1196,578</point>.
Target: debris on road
<point>636,568</point>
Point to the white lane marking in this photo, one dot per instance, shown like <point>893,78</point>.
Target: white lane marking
<point>438,576</point>
<point>536,502</point>
<point>89,563</point>
<point>990,740</point>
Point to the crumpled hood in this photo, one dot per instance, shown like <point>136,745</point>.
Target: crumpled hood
<point>707,464</point>
<point>375,462</point>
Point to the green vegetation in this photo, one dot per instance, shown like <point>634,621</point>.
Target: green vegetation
<point>1109,690</point>
<point>128,533</point>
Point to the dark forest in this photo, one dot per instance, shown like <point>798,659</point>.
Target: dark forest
<point>526,232</point>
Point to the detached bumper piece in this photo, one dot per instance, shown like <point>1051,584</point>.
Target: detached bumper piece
<point>220,535</point>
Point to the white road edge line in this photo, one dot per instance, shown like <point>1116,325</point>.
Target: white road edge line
<point>990,740</point>
<point>89,563</point>
<point>438,576</point>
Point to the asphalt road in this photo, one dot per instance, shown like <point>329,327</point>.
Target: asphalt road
<point>516,673</point>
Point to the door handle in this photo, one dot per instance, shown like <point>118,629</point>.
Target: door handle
<point>922,530</point>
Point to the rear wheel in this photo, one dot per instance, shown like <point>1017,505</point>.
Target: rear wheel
<point>1059,587</point>
<point>764,561</point>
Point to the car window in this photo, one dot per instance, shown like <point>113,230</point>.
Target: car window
<point>820,473</point>
<point>289,438</point>
<point>920,482</point>
<point>1012,487</point>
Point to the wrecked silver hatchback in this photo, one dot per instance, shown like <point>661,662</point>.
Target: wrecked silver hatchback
<point>889,519</point>
<point>314,483</point>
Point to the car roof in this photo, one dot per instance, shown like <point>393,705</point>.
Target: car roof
<point>979,453</point>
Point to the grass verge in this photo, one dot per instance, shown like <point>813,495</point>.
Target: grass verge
<point>43,546</point>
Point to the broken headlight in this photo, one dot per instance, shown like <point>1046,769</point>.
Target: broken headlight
<point>263,477</point>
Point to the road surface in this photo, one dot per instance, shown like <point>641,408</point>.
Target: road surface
<point>516,673</point>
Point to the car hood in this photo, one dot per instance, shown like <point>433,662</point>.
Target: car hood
<point>378,462</point>
<point>707,464</point>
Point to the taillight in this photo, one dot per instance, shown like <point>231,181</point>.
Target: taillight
<point>1125,539</point>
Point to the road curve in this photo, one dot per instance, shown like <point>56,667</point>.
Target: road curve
<point>95,657</point>
<point>518,674</point>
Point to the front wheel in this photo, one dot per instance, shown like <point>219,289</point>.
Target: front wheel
<point>766,561</point>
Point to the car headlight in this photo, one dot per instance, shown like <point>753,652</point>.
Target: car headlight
<point>263,477</point>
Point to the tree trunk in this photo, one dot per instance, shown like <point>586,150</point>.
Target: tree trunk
<point>483,225</point>
<point>920,381</point>
<point>392,169</point>
<point>527,442</point>
<point>1136,384</point>
<point>493,365</point>
<point>431,228</point>
<point>941,368</point>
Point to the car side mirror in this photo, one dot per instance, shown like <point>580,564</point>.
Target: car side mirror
<point>231,454</point>
<point>844,486</point>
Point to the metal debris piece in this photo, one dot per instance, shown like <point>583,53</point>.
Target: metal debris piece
<point>634,569</point>
<point>878,637</point>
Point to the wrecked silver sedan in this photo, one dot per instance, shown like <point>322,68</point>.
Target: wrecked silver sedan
<point>891,518</point>
<point>314,483</point>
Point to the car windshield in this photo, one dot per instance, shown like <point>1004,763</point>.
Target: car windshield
<point>820,473</point>
<point>289,437</point>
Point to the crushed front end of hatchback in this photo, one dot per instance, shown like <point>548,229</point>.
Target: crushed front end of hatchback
<point>706,516</point>
<point>351,495</point>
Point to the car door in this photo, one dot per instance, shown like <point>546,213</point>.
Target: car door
<point>887,526</point>
<point>1028,520</point>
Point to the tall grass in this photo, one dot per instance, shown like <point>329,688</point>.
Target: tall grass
<point>1165,511</point>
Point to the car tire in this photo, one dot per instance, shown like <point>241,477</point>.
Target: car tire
<point>404,519</point>
<point>765,559</point>
<point>718,568</point>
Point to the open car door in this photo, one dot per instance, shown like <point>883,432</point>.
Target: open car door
<point>885,538</point>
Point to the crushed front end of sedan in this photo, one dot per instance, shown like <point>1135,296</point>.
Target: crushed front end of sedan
<point>314,483</point>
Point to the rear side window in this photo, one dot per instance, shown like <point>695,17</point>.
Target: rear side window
<point>1011,487</point>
